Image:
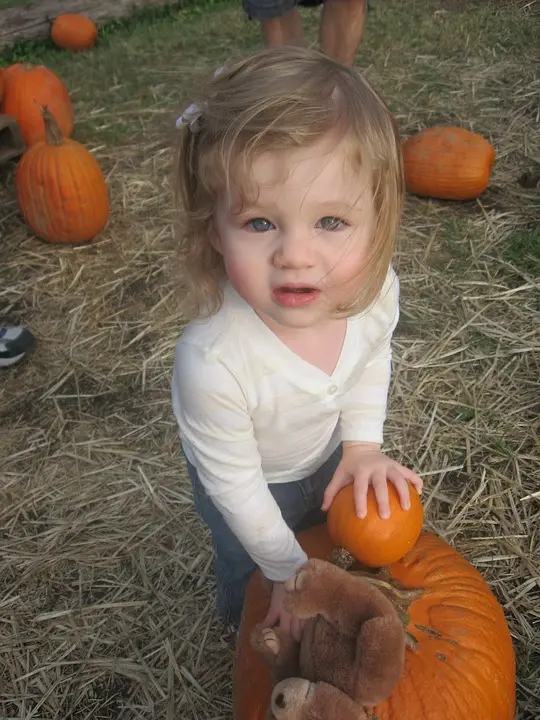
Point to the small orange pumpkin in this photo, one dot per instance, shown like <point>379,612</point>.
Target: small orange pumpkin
<point>28,88</point>
<point>371,540</point>
<point>459,662</point>
<point>61,190</point>
<point>447,162</point>
<point>73,32</point>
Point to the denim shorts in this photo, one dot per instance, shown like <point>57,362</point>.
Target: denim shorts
<point>269,9</point>
<point>300,504</point>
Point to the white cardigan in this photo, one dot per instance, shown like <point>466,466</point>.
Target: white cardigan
<point>251,412</point>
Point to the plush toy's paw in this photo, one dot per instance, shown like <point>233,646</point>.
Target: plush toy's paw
<point>265,641</point>
<point>278,649</point>
<point>307,589</point>
<point>297,699</point>
<point>290,697</point>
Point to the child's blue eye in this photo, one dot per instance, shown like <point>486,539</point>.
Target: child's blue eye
<point>332,223</point>
<point>260,225</point>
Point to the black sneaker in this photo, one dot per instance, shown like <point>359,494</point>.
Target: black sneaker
<point>15,342</point>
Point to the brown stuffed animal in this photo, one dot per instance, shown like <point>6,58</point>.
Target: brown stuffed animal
<point>352,650</point>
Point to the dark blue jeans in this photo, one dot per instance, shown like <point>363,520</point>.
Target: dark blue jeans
<point>300,504</point>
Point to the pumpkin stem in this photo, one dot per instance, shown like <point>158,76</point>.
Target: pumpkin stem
<point>342,558</point>
<point>400,596</point>
<point>53,133</point>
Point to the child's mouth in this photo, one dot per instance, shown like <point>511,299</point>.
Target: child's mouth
<point>294,295</point>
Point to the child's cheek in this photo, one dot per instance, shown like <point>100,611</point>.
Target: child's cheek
<point>239,275</point>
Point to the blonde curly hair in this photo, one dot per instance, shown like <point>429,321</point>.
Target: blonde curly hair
<point>277,100</point>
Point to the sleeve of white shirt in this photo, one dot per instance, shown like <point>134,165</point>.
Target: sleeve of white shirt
<point>213,417</point>
<point>364,410</point>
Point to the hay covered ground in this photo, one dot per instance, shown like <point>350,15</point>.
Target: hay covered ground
<point>106,609</point>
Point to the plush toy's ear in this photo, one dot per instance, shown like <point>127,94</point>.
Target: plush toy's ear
<point>380,657</point>
<point>298,699</point>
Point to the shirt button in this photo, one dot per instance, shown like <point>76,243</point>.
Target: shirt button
<point>332,390</point>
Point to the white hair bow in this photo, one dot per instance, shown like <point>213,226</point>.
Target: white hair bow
<point>191,117</point>
<point>193,114</point>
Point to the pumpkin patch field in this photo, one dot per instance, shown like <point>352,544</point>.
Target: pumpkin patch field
<point>106,602</point>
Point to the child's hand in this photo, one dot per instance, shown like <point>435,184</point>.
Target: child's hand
<point>278,616</point>
<point>365,465</point>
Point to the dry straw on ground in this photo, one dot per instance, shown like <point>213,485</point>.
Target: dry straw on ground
<point>106,610</point>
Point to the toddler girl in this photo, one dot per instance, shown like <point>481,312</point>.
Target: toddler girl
<point>291,187</point>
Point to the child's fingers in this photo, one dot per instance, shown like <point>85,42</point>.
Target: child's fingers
<point>297,627</point>
<point>276,605</point>
<point>340,479</point>
<point>415,480</point>
<point>361,484</point>
<point>286,622</point>
<point>380,488</point>
<point>398,481</point>
<point>271,617</point>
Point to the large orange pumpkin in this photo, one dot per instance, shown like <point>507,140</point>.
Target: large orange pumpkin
<point>12,70</point>
<point>27,89</point>
<point>447,162</point>
<point>73,32</point>
<point>61,190</point>
<point>372,541</point>
<point>459,663</point>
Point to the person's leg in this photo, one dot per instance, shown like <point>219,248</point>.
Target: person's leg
<point>280,21</point>
<point>285,30</point>
<point>232,565</point>
<point>342,28</point>
<point>15,342</point>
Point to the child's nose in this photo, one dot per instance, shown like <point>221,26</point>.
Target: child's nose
<point>294,250</point>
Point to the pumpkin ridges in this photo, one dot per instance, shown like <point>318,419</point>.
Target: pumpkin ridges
<point>50,159</point>
<point>62,192</point>
<point>90,169</point>
<point>422,692</point>
<point>62,221</point>
<point>79,209</point>
<point>33,165</point>
<point>447,162</point>
<point>459,653</point>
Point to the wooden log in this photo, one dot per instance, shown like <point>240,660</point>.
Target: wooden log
<point>26,22</point>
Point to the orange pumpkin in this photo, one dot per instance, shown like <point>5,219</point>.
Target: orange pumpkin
<point>459,662</point>
<point>61,190</point>
<point>73,32</point>
<point>372,541</point>
<point>28,88</point>
<point>447,162</point>
<point>2,71</point>
<point>12,70</point>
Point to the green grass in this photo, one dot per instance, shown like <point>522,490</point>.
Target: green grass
<point>523,250</point>
<point>5,4</point>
